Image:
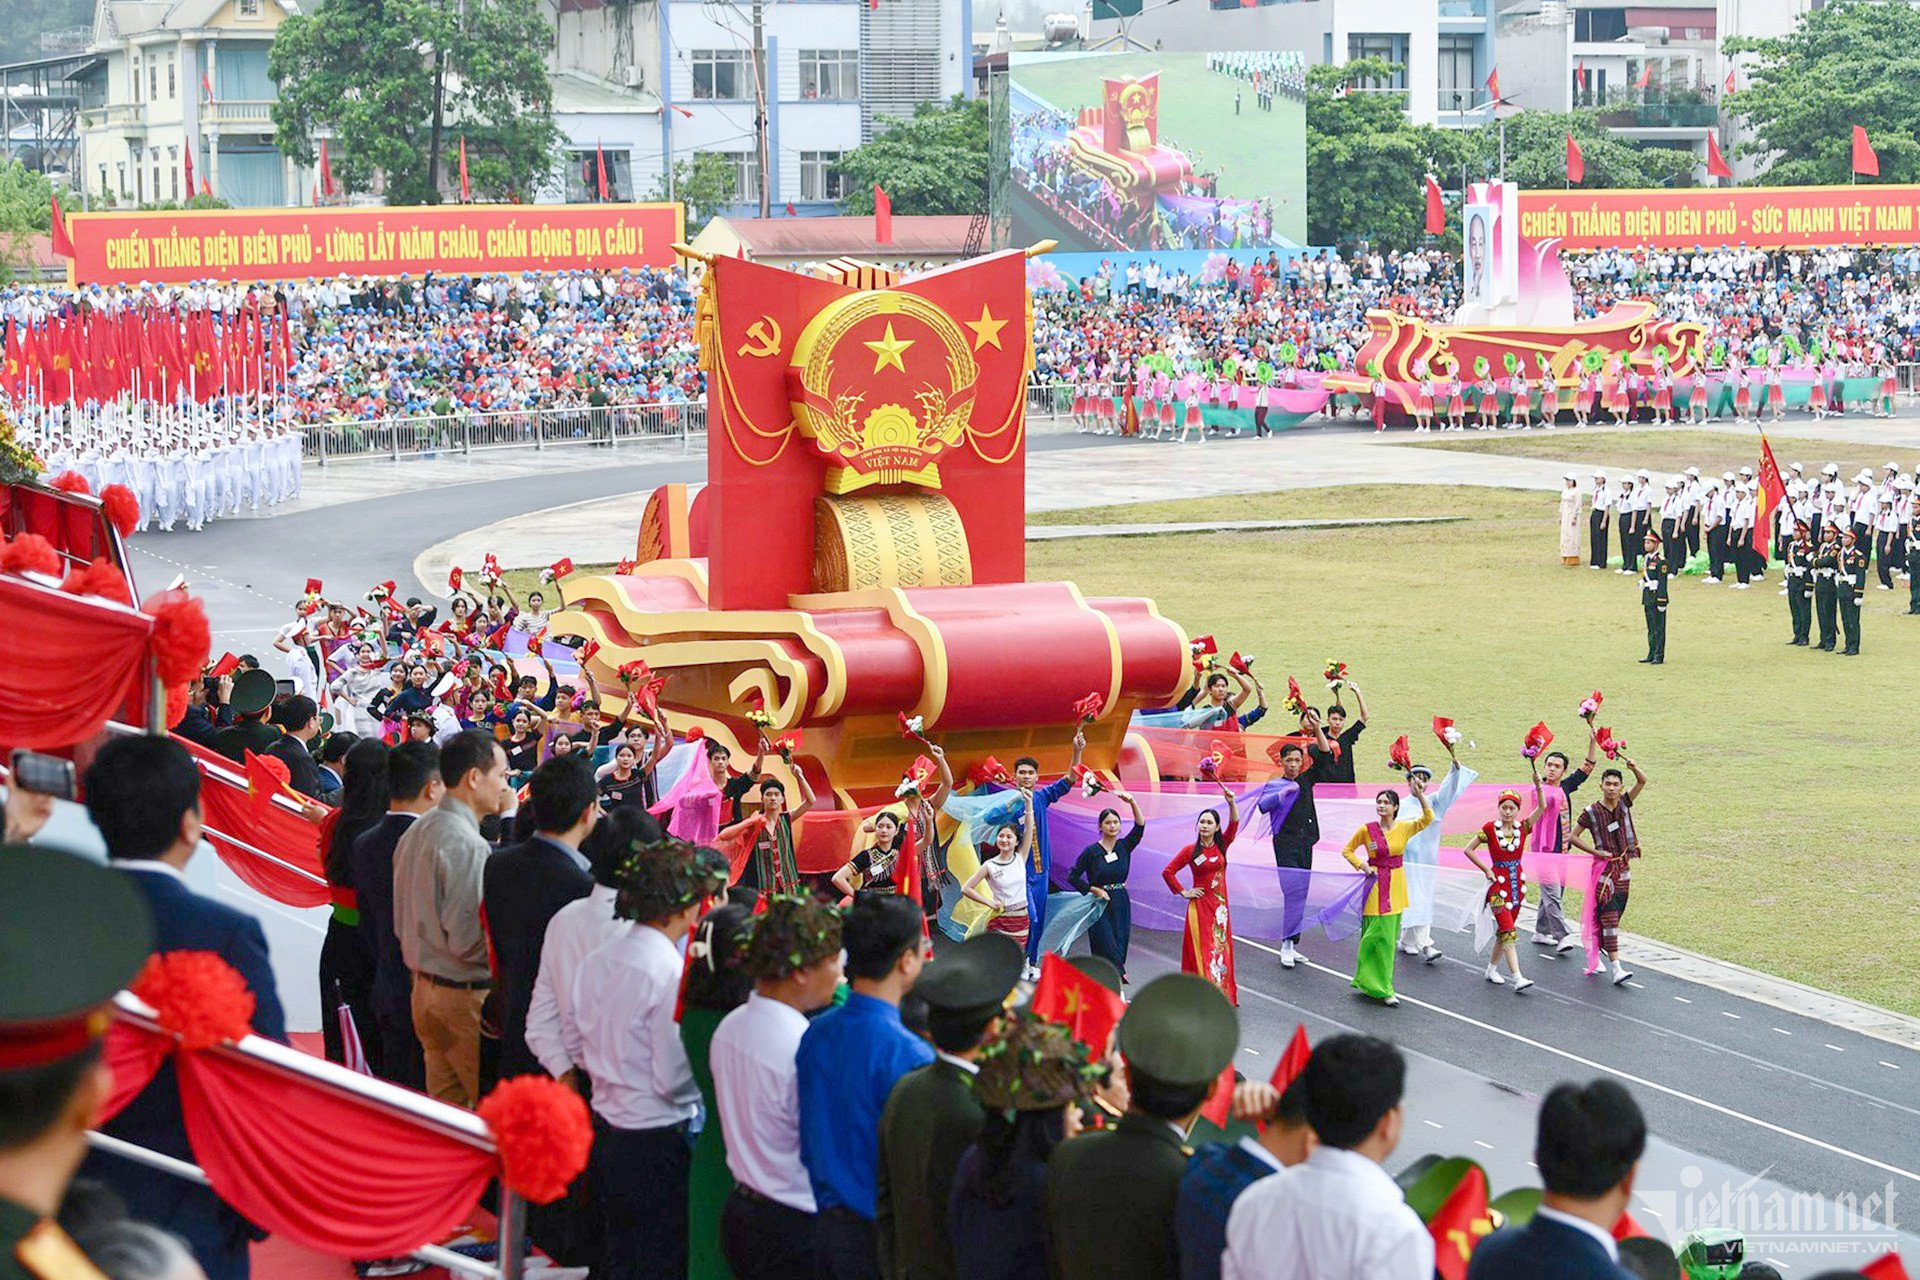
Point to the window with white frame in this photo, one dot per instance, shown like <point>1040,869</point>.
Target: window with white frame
<point>249,8</point>
<point>818,180</point>
<point>830,73</point>
<point>746,174</point>
<point>721,74</point>
<point>1389,47</point>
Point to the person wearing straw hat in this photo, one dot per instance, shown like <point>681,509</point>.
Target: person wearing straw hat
<point>53,1019</point>
<point>1111,1195</point>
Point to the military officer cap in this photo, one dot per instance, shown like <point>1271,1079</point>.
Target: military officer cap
<point>76,933</point>
<point>974,977</point>
<point>1101,970</point>
<point>1180,1031</point>
<point>252,692</point>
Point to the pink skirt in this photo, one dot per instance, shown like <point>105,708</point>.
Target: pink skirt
<point>1015,927</point>
<point>1193,415</point>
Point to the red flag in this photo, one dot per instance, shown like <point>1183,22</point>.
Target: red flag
<point>326,171</point>
<point>227,665</point>
<point>206,188</point>
<point>906,867</point>
<point>1580,75</point>
<point>1458,1224</point>
<point>1728,86</point>
<point>206,85</point>
<point>1493,84</point>
<point>791,211</point>
<point>1864,160</point>
<point>1646,76</point>
<point>1436,208</point>
<point>1069,997</point>
<point>63,243</point>
<point>267,777</point>
<point>1576,163</point>
<point>13,365</point>
<point>186,160</point>
<point>1717,166</point>
<point>1627,1228</point>
<point>1293,1061</point>
<point>1885,1267</point>
<point>1219,1108</point>
<point>600,164</point>
<point>1772,492</point>
<point>882,216</point>
<point>466,192</point>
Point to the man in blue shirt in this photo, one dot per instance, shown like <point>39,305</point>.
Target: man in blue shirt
<point>1218,1172</point>
<point>1026,778</point>
<point>848,1062</point>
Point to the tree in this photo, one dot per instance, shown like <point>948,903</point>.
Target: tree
<point>1850,63</point>
<point>390,80</point>
<point>705,185</point>
<point>1365,160</point>
<point>1536,144</point>
<point>26,211</point>
<point>931,162</point>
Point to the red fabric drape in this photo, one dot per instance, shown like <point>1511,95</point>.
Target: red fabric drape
<point>229,811</point>
<point>332,1172</point>
<point>133,1054</point>
<point>67,664</point>
<point>73,525</point>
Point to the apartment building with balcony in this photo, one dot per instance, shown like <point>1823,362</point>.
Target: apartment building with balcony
<point>172,77</point>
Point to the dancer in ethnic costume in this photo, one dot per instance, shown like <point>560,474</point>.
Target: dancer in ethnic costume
<point>1385,842</point>
<point>1208,946</point>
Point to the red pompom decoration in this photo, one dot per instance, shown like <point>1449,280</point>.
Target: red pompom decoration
<point>176,705</point>
<point>121,507</point>
<point>100,578</point>
<point>542,1132</point>
<point>29,553</point>
<point>71,482</point>
<point>196,996</point>
<point>181,636</point>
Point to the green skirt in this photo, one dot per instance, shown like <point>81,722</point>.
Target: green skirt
<point>1379,941</point>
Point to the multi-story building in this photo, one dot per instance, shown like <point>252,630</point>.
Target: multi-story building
<point>837,72</point>
<point>171,79</point>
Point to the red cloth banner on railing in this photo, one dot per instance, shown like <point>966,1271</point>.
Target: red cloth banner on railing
<point>68,663</point>
<point>232,822</point>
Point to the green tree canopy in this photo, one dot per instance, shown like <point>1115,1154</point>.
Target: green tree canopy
<point>26,210</point>
<point>394,80</point>
<point>932,162</point>
<point>1365,160</point>
<point>705,185</point>
<point>1537,153</point>
<point>1854,62</point>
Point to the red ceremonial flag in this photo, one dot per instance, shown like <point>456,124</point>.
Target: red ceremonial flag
<point>1627,1228</point>
<point>1772,492</point>
<point>1728,86</point>
<point>1293,1061</point>
<point>1069,997</point>
<point>1493,84</point>
<point>1219,1108</point>
<point>63,243</point>
<point>882,216</point>
<point>1717,166</point>
<point>873,6</point>
<point>1436,208</point>
<point>600,165</point>
<point>466,192</point>
<point>326,171</point>
<point>206,188</point>
<point>1864,160</point>
<point>13,367</point>
<point>1580,75</point>
<point>206,85</point>
<point>1886,1267</point>
<point>186,160</point>
<point>267,777</point>
<point>1576,163</point>
<point>1459,1223</point>
<point>791,211</point>
<point>906,867</point>
<point>1646,76</point>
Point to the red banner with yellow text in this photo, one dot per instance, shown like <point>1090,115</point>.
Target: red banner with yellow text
<point>1724,217</point>
<point>289,244</point>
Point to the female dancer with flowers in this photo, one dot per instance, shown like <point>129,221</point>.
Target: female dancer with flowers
<point>1456,398</point>
<point>1102,871</point>
<point>1006,876</point>
<point>1385,842</point>
<point>1505,837</point>
<point>1423,402</point>
<point>1489,395</point>
<point>1207,948</point>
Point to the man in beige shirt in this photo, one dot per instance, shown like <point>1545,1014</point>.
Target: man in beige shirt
<point>437,878</point>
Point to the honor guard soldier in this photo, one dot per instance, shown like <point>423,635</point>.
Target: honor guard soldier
<point>1111,1195</point>
<point>1852,589</point>
<point>932,1116</point>
<point>75,933</point>
<point>1826,573</point>
<point>1799,561</point>
<point>1653,599</point>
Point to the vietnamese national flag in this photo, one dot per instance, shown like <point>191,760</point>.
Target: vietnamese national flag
<point>1436,208</point>
<point>1459,1223</point>
<point>1885,1267</point>
<point>1727,87</point>
<point>1646,76</point>
<point>206,84</point>
<point>1293,1061</point>
<point>1219,1108</point>
<point>1627,1228</point>
<point>186,160</point>
<point>63,243</point>
<point>1576,162</point>
<point>1772,492</point>
<point>267,777</point>
<point>326,171</point>
<point>1717,166</point>
<point>1580,75</point>
<point>883,215</point>
<point>1493,85</point>
<point>1864,160</point>
<point>906,866</point>
<point>1069,997</point>
<point>206,188</point>
<point>466,192</point>
<point>600,164</point>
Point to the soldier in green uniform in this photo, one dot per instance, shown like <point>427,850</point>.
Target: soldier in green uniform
<point>1826,572</point>
<point>1111,1195</point>
<point>1800,582</point>
<point>931,1116</point>
<point>1852,589</point>
<point>1653,599</point>
<point>76,933</point>
<point>252,699</point>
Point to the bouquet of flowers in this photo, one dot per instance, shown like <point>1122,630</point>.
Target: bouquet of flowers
<point>1538,739</point>
<point>380,592</point>
<point>1241,662</point>
<point>1203,650</point>
<point>1399,755</point>
<point>1443,729</point>
<point>1088,709</point>
<point>986,770</point>
<point>490,569</point>
<point>1612,746</point>
<point>760,719</point>
<point>1335,675</point>
<point>626,567</point>
<point>912,727</point>
<point>787,744</point>
<point>646,686</point>
<point>557,570</point>
<point>537,642</point>
<point>585,653</point>
<point>1590,706</point>
<point>1296,703</point>
<point>1087,780</point>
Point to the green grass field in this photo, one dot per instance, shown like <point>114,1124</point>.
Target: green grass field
<point>1665,452</point>
<point>1258,154</point>
<point>1772,819</point>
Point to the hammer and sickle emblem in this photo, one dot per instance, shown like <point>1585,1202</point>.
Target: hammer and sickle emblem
<point>765,333</point>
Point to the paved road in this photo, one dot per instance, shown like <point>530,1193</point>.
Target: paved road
<point>1774,1116</point>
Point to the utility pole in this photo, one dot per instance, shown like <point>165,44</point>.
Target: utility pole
<point>760,105</point>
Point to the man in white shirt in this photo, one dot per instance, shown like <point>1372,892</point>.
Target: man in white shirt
<point>1588,1150</point>
<point>1337,1213</point>
<point>793,956</point>
<point>644,1096</point>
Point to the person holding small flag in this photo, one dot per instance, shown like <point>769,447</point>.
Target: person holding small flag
<point>1102,870</point>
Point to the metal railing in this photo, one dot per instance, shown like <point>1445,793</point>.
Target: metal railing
<point>458,434</point>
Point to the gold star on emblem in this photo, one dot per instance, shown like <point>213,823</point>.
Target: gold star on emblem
<point>888,350</point>
<point>986,330</point>
<point>1076,1003</point>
